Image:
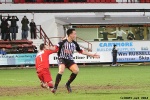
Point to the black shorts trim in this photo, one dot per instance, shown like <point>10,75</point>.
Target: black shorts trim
<point>66,62</point>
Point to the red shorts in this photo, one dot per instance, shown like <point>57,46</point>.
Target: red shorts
<point>45,75</point>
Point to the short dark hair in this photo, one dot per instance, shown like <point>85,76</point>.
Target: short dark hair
<point>115,45</point>
<point>42,46</point>
<point>69,31</point>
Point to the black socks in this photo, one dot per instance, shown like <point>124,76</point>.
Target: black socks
<point>58,78</point>
<point>72,77</point>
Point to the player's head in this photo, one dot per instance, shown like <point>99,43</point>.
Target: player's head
<point>4,18</point>
<point>71,34</point>
<point>32,20</point>
<point>115,45</point>
<point>13,17</point>
<point>127,31</point>
<point>44,46</point>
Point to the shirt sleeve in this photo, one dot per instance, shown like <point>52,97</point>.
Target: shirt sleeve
<point>60,43</point>
<point>48,52</point>
<point>52,51</point>
<point>56,49</point>
<point>78,48</point>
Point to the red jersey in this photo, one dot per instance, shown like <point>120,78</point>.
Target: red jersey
<point>42,59</point>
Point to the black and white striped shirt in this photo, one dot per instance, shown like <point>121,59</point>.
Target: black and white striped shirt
<point>66,49</point>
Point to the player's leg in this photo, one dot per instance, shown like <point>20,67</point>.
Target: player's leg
<point>58,77</point>
<point>43,85</point>
<point>75,69</point>
<point>48,78</point>
<point>117,37</point>
<point>40,76</point>
<point>113,60</point>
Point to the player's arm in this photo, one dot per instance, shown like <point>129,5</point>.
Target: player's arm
<point>90,54</point>
<point>128,36</point>
<point>59,45</point>
<point>101,32</point>
<point>85,52</point>
<point>123,32</point>
<point>113,32</point>
<point>52,49</point>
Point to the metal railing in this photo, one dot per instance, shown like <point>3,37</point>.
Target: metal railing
<point>42,35</point>
<point>89,48</point>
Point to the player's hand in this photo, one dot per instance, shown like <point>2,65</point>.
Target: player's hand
<point>52,47</point>
<point>101,31</point>
<point>96,55</point>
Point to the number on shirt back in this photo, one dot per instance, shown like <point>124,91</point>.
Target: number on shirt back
<point>41,57</point>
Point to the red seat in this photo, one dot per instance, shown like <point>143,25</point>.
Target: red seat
<point>108,1</point>
<point>92,1</point>
<point>16,1</point>
<point>97,1</point>
<point>88,1</point>
<point>113,1</point>
<point>142,1</point>
<point>66,1</point>
<point>8,46</point>
<point>39,1</point>
<point>22,1</point>
<point>147,1</point>
<point>102,1</point>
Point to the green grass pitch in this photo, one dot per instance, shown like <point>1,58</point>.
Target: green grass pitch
<point>92,83</point>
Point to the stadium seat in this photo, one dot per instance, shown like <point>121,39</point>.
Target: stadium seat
<point>92,1</point>
<point>142,1</point>
<point>16,1</point>
<point>97,1</point>
<point>103,1</point>
<point>39,1</point>
<point>66,1</point>
<point>147,1</point>
<point>108,1</point>
<point>11,45</point>
<point>88,1</point>
<point>8,46</point>
<point>22,1</point>
<point>113,1</point>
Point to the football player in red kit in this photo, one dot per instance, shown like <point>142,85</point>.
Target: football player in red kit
<point>42,65</point>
